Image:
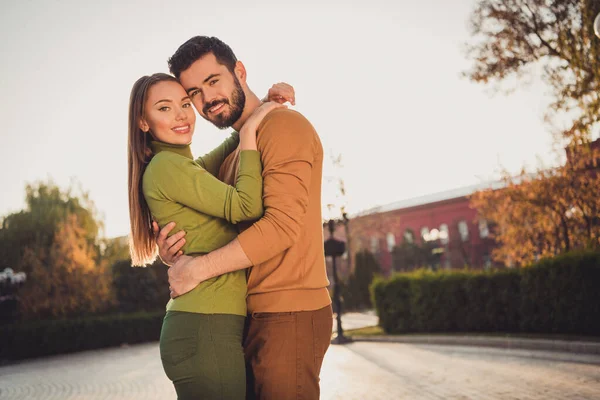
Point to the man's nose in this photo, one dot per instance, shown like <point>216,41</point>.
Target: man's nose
<point>209,95</point>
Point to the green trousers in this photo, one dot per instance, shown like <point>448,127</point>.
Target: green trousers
<point>202,354</point>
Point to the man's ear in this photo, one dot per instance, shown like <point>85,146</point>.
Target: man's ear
<point>144,125</point>
<point>240,72</point>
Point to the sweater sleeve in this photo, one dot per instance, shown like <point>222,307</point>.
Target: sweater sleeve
<point>212,161</point>
<point>185,182</point>
<point>286,141</point>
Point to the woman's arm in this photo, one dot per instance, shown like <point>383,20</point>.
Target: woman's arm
<point>212,161</point>
<point>279,93</point>
<point>185,182</point>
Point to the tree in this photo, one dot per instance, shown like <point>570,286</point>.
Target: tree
<point>114,250</point>
<point>356,292</point>
<point>54,241</point>
<point>408,256</point>
<point>514,39</point>
<point>47,208</point>
<point>63,279</point>
<point>552,210</point>
<point>546,213</point>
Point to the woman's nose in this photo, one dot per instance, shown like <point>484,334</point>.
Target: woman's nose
<point>181,115</point>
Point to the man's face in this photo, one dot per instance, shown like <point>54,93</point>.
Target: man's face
<point>216,93</point>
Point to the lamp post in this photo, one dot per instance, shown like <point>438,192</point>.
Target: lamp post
<point>433,236</point>
<point>336,248</point>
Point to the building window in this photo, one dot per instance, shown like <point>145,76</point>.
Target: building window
<point>484,231</point>
<point>424,232</point>
<point>444,234</point>
<point>463,230</point>
<point>374,244</point>
<point>391,241</point>
<point>409,236</point>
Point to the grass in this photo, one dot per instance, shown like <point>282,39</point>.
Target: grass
<point>367,331</point>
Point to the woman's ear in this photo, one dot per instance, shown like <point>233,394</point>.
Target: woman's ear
<point>144,125</point>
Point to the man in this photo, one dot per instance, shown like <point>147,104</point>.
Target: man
<point>290,318</point>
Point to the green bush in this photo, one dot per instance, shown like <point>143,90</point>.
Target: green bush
<point>140,289</point>
<point>558,295</point>
<point>562,295</point>
<point>43,338</point>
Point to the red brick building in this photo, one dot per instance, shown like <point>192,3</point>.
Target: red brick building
<point>463,240</point>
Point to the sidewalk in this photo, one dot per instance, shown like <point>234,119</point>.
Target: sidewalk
<point>566,346</point>
<point>366,319</point>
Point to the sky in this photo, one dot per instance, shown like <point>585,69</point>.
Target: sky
<point>380,80</point>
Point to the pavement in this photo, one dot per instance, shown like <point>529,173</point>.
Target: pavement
<point>360,370</point>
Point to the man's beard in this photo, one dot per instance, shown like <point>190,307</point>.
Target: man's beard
<point>236,106</point>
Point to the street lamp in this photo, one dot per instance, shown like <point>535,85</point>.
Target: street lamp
<point>336,248</point>
<point>597,25</point>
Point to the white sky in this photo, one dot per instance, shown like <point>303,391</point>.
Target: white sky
<point>379,79</point>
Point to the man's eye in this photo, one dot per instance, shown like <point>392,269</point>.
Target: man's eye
<point>194,93</point>
<point>213,82</point>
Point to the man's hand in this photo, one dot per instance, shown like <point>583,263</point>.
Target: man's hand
<point>181,276</point>
<point>169,248</point>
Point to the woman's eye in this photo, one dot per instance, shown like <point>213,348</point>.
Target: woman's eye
<point>163,109</point>
<point>187,105</point>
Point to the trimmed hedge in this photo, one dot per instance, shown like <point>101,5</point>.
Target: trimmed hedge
<point>43,338</point>
<point>559,295</point>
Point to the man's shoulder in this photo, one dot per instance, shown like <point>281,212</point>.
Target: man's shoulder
<point>285,123</point>
<point>285,115</point>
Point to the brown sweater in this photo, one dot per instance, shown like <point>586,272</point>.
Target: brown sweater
<point>286,244</point>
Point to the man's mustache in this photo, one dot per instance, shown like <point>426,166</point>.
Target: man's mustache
<point>213,103</point>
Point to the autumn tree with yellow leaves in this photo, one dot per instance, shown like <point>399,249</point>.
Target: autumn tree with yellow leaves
<point>546,213</point>
<point>54,241</point>
<point>552,210</point>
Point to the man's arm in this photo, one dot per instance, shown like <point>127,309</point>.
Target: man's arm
<point>188,272</point>
<point>286,141</point>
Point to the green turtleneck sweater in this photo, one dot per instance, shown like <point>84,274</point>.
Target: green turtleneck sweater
<point>186,191</point>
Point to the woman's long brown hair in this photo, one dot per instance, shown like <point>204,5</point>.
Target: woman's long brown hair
<point>142,246</point>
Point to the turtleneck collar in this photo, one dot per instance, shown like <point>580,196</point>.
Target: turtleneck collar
<point>181,149</point>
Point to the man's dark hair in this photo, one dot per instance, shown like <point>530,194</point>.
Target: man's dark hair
<point>196,48</point>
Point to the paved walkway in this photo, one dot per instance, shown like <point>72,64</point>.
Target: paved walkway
<point>361,370</point>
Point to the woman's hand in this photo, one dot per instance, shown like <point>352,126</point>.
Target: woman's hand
<point>280,93</point>
<point>248,131</point>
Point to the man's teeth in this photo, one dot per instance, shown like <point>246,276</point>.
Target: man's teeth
<point>215,108</point>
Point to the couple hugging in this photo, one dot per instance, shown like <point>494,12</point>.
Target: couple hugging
<point>250,315</point>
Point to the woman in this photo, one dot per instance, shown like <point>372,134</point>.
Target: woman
<point>201,337</point>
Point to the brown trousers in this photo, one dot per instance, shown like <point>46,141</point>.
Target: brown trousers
<point>284,352</point>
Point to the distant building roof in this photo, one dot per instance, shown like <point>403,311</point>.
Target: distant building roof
<point>433,198</point>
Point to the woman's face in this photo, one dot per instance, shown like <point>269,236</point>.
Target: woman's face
<point>169,115</point>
